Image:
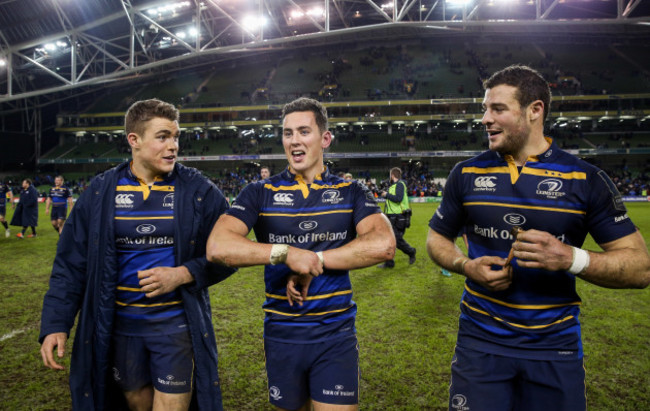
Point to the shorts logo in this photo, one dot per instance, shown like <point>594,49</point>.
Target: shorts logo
<point>168,201</point>
<point>550,188</point>
<point>485,184</point>
<point>124,201</point>
<point>308,225</point>
<point>458,402</point>
<point>116,374</point>
<point>283,199</point>
<point>514,219</point>
<point>274,392</point>
<point>339,391</point>
<point>145,228</point>
<point>332,197</point>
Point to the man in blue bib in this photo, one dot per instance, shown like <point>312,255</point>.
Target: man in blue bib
<point>312,227</point>
<point>131,261</point>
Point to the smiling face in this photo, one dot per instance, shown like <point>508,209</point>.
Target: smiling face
<point>58,181</point>
<point>154,152</point>
<point>303,144</point>
<point>506,122</point>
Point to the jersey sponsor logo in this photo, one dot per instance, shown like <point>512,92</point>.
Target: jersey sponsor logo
<point>485,183</point>
<point>620,218</point>
<point>124,200</point>
<point>617,199</point>
<point>331,197</point>
<point>283,199</point>
<point>459,402</point>
<point>307,238</point>
<point>145,228</point>
<point>168,201</point>
<point>514,219</point>
<point>238,207</point>
<point>550,188</point>
<point>308,225</point>
<point>339,391</point>
<point>274,392</point>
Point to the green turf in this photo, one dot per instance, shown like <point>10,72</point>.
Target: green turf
<point>407,325</point>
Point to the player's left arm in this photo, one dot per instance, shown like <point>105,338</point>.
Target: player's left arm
<point>623,263</point>
<point>374,244</point>
<point>197,271</point>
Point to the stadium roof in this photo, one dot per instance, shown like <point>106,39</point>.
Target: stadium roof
<point>54,48</point>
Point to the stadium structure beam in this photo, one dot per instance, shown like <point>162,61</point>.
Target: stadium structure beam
<point>138,48</point>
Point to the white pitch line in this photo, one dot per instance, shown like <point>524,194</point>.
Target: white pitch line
<point>14,333</point>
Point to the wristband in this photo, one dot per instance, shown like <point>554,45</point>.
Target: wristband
<point>462,265</point>
<point>320,257</point>
<point>278,253</point>
<point>580,261</point>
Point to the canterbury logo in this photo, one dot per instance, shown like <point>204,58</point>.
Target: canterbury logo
<point>124,199</point>
<point>485,182</point>
<point>283,198</point>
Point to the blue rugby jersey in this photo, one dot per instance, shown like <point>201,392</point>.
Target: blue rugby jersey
<point>59,196</point>
<point>320,216</point>
<point>144,238</point>
<point>4,189</point>
<point>537,316</point>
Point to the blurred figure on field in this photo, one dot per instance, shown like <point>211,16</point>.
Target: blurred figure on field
<point>59,199</point>
<point>26,214</point>
<point>131,262</point>
<point>5,195</point>
<point>398,211</point>
<point>264,173</point>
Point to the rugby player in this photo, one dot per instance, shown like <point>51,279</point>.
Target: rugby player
<point>519,344</point>
<point>59,199</point>
<point>132,262</point>
<point>4,190</point>
<point>312,227</point>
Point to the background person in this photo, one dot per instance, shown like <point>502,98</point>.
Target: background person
<point>132,263</point>
<point>519,345</point>
<point>59,199</point>
<point>311,228</point>
<point>26,214</point>
<point>398,211</point>
<point>264,173</point>
<point>4,191</point>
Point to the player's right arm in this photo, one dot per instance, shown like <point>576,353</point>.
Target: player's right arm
<point>444,252</point>
<point>51,341</point>
<point>48,202</point>
<point>228,245</point>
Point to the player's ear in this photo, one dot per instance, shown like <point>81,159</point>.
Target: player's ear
<point>536,110</point>
<point>133,140</point>
<point>326,140</point>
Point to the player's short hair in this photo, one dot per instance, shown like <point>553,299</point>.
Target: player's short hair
<point>264,167</point>
<point>308,104</point>
<point>142,111</point>
<point>59,176</point>
<point>346,175</point>
<point>396,172</point>
<point>29,181</point>
<point>529,82</point>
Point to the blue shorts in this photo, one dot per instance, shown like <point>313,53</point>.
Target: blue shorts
<point>327,372</point>
<point>3,210</point>
<point>164,361</point>
<point>481,381</point>
<point>58,213</point>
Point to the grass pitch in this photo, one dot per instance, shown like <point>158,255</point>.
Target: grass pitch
<point>406,325</point>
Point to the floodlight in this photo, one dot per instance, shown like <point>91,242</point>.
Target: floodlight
<point>3,62</point>
<point>50,46</point>
<point>193,31</point>
<point>388,5</point>
<point>458,3</point>
<point>253,22</point>
<point>181,35</point>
